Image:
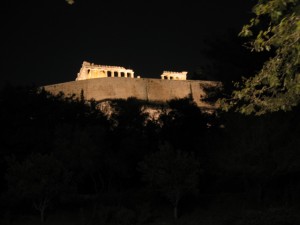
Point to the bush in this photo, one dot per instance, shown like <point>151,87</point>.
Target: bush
<point>273,216</point>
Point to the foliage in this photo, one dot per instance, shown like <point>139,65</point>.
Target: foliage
<point>272,216</point>
<point>238,155</point>
<point>259,155</point>
<point>172,173</point>
<point>276,27</point>
<point>183,118</point>
<point>39,179</point>
<point>127,114</point>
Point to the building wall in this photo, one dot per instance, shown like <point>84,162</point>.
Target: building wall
<point>143,88</point>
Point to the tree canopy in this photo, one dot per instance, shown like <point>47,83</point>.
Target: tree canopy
<point>275,27</point>
<point>172,173</point>
<point>40,178</point>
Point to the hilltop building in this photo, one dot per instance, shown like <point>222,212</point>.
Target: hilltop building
<point>91,71</point>
<point>102,83</point>
<point>171,75</point>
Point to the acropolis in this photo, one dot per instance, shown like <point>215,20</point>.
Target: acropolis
<point>102,82</point>
<point>91,71</point>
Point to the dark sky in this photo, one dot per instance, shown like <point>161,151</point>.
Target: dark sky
<point>45,42</point>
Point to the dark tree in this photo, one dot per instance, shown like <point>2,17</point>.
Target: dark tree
<point>38,179</point>
<point>172,173</point>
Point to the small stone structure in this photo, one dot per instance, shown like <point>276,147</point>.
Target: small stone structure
<point>171,75</point>
<point>90,71</point>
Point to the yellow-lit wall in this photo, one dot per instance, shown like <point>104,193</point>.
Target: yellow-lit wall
<point>145,89</point>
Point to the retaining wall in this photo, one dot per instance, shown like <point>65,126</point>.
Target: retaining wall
<point>143,88</point>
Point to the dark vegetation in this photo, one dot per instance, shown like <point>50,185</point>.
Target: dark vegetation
<point>64,162</point>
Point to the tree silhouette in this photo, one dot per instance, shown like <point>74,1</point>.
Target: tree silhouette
<point>172,173</point>
<point>40,178</point>
<point>275,26</point>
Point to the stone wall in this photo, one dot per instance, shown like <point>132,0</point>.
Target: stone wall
<point>145,89</point>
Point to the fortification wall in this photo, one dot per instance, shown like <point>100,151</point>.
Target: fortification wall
<point>145,89</point>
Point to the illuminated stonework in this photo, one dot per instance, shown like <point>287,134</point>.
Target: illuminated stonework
<point>90,71</point>
<point>171,75</point>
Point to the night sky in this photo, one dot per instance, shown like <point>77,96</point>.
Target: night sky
<point>45,42</point>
